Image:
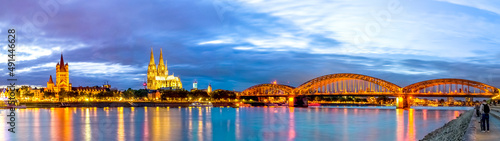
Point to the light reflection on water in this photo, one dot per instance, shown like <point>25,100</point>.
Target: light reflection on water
<point>248,123</point>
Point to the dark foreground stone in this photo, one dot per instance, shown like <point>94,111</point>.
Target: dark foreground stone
<point>453,130</point>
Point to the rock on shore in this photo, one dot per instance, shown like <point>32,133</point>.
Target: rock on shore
<point>453,130</point>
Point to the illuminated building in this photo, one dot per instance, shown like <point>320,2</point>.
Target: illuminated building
<point>62,79</point>
<point>195,85</point>
<point>209,89</point>
<point>158,76</point>
<point>62,82</point>
<point>3,93</point>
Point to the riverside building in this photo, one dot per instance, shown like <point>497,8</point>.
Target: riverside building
<point>158,77</point>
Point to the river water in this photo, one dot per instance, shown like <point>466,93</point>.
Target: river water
<point>217,124</point>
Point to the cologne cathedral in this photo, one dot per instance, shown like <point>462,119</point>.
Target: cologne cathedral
<point>158,76</point>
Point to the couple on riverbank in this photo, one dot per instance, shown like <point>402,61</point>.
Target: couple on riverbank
<point>484,111</point>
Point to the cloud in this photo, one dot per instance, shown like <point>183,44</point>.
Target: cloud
<point>215,42</point>
<point>487,5</point>
<point>101,69</point>
<point>38,68</point>
<point>362,31</point>
<point>237,44</point>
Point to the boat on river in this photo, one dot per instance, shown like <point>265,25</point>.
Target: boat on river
<point>201,104</point>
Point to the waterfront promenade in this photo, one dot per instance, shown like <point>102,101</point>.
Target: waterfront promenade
<point>494,134</point>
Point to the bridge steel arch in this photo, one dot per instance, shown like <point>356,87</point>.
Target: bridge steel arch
<point>268,90</point>
<point>325,79</point>
<point>413,88</point>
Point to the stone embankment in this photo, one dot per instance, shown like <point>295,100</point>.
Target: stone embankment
<point>454,130</point>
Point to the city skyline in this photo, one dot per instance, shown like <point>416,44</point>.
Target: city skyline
<point>235,45</point>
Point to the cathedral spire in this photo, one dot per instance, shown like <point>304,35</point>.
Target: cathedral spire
<point>62,67</point>
<point>62,60</point>
<point>152,58</point>
<point>161,57</point>
<point>161,65</point>
<point>50,80</point>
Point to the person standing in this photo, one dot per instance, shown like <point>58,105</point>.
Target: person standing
<point>478,113</point>
<point>485,118</point>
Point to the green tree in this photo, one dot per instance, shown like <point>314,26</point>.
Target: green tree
<point>62,95</point>
<point>129,93</point>
<point>173,94</point>
<point>47,94</point>
<point>141,93</point>
<point>108,94</point>
<point>223,94</point>
<point>100,95</point>
<point>441,101</point>
<point>73,94</point>
<point>198,94</point>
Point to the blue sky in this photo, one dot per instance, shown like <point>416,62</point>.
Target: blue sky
<point>236,44</point>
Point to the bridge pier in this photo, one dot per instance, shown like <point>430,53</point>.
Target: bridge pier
<point>402,102</point>
<point>297,101</point>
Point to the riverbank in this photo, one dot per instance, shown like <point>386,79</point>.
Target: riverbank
<point>115,104</point>
<point>158,104</point>
<point>452,131</point>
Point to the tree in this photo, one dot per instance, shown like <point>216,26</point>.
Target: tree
<point>85,95</point>
<point>108,94</point>
<point>62,94</point>
<point>129,93</point>
<point>47,94</point>
<point>29,95</point>
<point>198,94</point>
<point>441,101</point>
<point>100,95</point>
<point>73,94</point>
<point>223,94</point>
<point>179,93</point>
<point>141,93</point>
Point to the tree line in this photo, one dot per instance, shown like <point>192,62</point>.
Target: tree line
<point>196,94</point>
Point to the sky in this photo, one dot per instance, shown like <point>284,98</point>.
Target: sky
<point>235,44</point>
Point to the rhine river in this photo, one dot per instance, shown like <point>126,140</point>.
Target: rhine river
<point>246,123</point>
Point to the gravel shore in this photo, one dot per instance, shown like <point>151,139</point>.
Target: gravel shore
<point>451,131</point>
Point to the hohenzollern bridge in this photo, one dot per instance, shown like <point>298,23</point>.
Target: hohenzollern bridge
<point>347,84</point>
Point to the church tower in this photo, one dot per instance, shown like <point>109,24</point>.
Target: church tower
<point>50,84</point>
<point>209,89</point>
<point>62,76</point>
<point>152,72</point>
<point>161,71</point>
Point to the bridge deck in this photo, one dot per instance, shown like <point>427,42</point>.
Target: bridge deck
<point>382,94</point>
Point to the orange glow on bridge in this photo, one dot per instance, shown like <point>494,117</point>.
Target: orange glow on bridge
<point>345,84</point>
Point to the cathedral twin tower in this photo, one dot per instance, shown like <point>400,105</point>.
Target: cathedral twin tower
<point>158,76</point>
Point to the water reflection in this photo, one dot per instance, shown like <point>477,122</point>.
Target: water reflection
<point>120,128</point>
<point>291,127</point>
<point>411,124</point>
<point>68,124</point>
<point>400,124</point>
<point>145,134</point>
<point>255,123</point>
<point>36,123</point>
<point>88,132</point>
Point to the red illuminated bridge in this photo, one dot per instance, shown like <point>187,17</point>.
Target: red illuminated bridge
<point>346,84</point>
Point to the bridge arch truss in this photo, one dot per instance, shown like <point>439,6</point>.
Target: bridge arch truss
<point>456,87</point>
<point>268,90</point>
<point>347,84</point>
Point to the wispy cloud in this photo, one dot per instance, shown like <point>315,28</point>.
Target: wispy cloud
<point>236,44</point>
<point>215,42</point>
